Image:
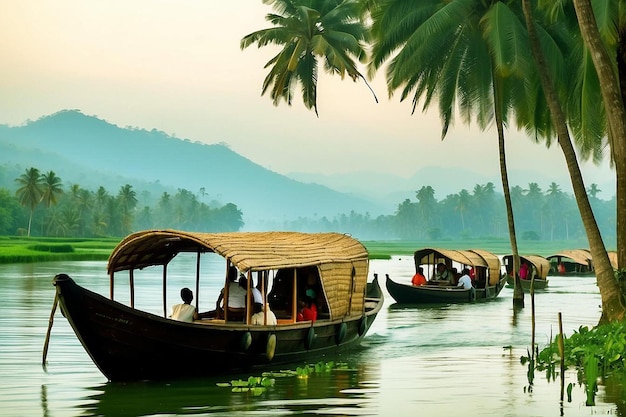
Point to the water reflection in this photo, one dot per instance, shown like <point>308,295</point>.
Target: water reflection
<point>431,361</point>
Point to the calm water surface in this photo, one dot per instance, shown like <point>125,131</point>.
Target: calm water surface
<point>429,361</point>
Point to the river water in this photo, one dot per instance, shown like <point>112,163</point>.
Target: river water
<point>427,361</point>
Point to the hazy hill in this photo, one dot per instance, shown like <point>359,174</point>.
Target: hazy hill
<point>91,152</point>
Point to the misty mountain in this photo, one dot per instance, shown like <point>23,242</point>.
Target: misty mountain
<point>91,152</point>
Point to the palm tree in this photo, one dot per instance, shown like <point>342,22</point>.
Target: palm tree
<point>128,201</point>
<point>613,307</point>
<point>473,50</point>
<point>612,95</point>
<point>30,191</point>
<point>52,189</point>
<point>309,30</point>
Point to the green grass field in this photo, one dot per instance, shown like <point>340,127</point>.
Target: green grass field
<point>22,250</point>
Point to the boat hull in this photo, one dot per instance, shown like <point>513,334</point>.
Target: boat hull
<point>538,284</point>
<point>425,294</point>
<point>131,345</point>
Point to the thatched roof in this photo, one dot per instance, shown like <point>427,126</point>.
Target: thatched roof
<point>541,264</point>
<point>494,264</point>
<point>342,261</point>
<point>580,256</point>
<point>255,251</point>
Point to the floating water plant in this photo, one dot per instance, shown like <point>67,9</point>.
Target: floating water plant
<point>257,385</point>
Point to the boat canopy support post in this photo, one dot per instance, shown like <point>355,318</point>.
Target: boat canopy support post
<point>197,280</point>
<point>111,284</point>
<point>294,300</point>
<point>248,308</point>
<point>164,290</point>
<point>131,276</point>
<point>226,288</point>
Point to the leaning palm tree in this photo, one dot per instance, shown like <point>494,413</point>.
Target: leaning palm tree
<point>613,305</point>
<point>309,30</point>
<point>30,191</point>
<point>469,55</point>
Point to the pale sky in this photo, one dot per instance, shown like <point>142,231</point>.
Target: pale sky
<point>176,65</point>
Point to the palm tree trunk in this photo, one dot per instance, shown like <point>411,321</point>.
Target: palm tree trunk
<point>518,291</point>
<point>614,105</point>
<point>612,300</point>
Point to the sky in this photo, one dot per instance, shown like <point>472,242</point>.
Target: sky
<point>176,66</point>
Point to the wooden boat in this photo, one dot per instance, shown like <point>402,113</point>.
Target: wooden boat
<point>571,262</point>
<point>127,344</point>
<point>540,267</point>
<point>487,284</point>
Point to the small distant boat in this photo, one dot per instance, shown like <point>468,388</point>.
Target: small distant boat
<point>128,344</point>
<point>487,283</point>
<point>571,262</point>
<point>539,268</point>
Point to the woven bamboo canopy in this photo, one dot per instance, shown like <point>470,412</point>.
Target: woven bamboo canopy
<point>342,261</point>
<point>579,256</point>
<point>475,258</point>
<point>541,264</point>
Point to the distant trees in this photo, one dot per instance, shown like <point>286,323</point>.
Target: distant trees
<point>549,214</point>
<point>84,213</point>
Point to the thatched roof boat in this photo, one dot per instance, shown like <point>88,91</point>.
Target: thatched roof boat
<point>540,267</point>
<point>571,262</point>
<point>487,278</point>
<point>129,344</point>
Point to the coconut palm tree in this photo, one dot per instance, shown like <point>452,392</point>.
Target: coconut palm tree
<point>613,39</point>
<point>469,54</point>
<point>52,189</point>
<point>30,191</point>
<point>307,31</point>
<point>613,306</point>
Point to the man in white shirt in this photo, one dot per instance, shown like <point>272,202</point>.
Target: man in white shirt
<point>185,312</point>
<point>465,281</point>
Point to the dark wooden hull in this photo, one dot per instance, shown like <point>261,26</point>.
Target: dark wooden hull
<point>539,284</point>
<point>425,294</point>
<point>131,345</point>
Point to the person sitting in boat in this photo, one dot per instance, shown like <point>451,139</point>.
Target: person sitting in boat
<point>465,281</point>
<point>185,311</point>
<point>308,308</point>
<point>257,297</point>
<point>443,275</point>
<point>236,297</point>
<point>419,278</point>
<point>262,314</point>
<point>523,271</point>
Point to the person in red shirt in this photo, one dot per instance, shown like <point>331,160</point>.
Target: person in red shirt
<point>419,278</point>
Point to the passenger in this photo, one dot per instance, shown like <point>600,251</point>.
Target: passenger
<point>185,311</point>
<point>465,281</point>
<point>257,297</point>
<point>523,271</point>
<point>419,278</point>
<point>260,316</point>
<point>309,312</point>
<point>443,274</point>
<point>236,296</point>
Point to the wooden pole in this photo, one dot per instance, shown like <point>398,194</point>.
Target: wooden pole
<point>164,290</point>
<point>50,321</point>
<point>198,281</point>
<point>532,304</point>
<point>132,287</point>
<point>561,344</point>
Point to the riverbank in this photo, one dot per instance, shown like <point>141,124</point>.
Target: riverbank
<point>19,249</point>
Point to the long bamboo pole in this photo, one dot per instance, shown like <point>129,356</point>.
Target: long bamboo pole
<point>50,321</point>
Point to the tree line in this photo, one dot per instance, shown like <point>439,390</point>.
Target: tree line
<point>42,206</point>
<point>541,214</point>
